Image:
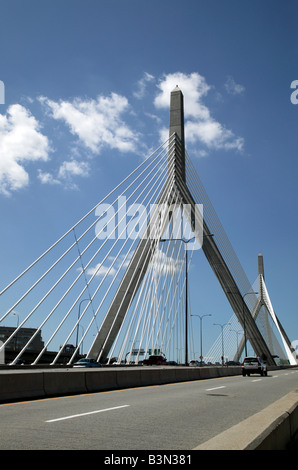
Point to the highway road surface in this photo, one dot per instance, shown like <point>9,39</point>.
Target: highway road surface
<point>176,416</point>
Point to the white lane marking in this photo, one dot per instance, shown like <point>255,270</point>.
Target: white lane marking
<point>256,380</point>
<point>85,414</point>
<point>215,388</point>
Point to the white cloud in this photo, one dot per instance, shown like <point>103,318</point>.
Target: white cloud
<point>194,88</point>
<point>97,122</point>
<point>142,84</point>
<point>21,142</point>
<point>65,174</point>
<point>73,168</point>
<point>200,126</point>
<point>101,270</point>
<point>47,178</point>
<point>162,263</point>
<point>233,88</point>
<point>115,264</point>
<point>102,123</point>
<point>212,134</point>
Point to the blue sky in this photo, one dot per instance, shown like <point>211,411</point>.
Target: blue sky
<point>81,75</point>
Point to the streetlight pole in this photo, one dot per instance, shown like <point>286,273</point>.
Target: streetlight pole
<point>78,325</point>
<point>222,340</point>
<point>18,320</point>
<point>201,331</point>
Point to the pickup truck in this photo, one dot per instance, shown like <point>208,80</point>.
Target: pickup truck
<point>155,360</point>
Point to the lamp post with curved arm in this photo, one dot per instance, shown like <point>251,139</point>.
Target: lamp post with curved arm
<point>222,340</point>
<point>78,325</point>
<point>201,331</point>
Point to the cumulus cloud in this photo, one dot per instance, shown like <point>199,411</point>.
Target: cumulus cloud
<point>103,123</point>
<point>164,264</point>
<point>101,270</point>
<point>65,173</point>
<point>200,126</point>
<point>47,178</point>
<point>194,88</point>
<point>96,122</point>
<point>114,265</point>
<point>21,142</point>
<point>73,168</point>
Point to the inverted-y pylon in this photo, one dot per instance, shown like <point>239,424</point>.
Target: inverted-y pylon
<point>264,301</point>
<point>147,245</point>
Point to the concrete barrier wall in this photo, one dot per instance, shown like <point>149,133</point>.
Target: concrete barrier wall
<point>22,384</point>
<point>97,382</point>
<point>65,382</point>
<point>19,385</point>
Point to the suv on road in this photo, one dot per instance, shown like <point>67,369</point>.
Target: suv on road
<point>253,365</point>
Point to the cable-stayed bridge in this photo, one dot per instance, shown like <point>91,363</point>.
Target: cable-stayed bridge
<point>116,283</point>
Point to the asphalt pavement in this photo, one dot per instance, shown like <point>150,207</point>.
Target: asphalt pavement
<point>176,416</point>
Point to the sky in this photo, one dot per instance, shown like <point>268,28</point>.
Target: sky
<point>86,98</point>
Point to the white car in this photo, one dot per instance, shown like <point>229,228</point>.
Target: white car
<point>253,365</point>
<point>194,363</point>
<point>86,362</point>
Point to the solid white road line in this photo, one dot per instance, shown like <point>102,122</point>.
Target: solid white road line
<point>85,414</point>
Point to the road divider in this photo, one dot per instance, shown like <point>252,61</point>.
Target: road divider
<point>18,384</point>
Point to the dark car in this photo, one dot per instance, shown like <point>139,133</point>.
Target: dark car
<point>87,362</point>
<point>232,363</point>
<point>155,360</point>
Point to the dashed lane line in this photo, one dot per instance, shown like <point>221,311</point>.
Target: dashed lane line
<point>85,414</point>
<point>215,388</point>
